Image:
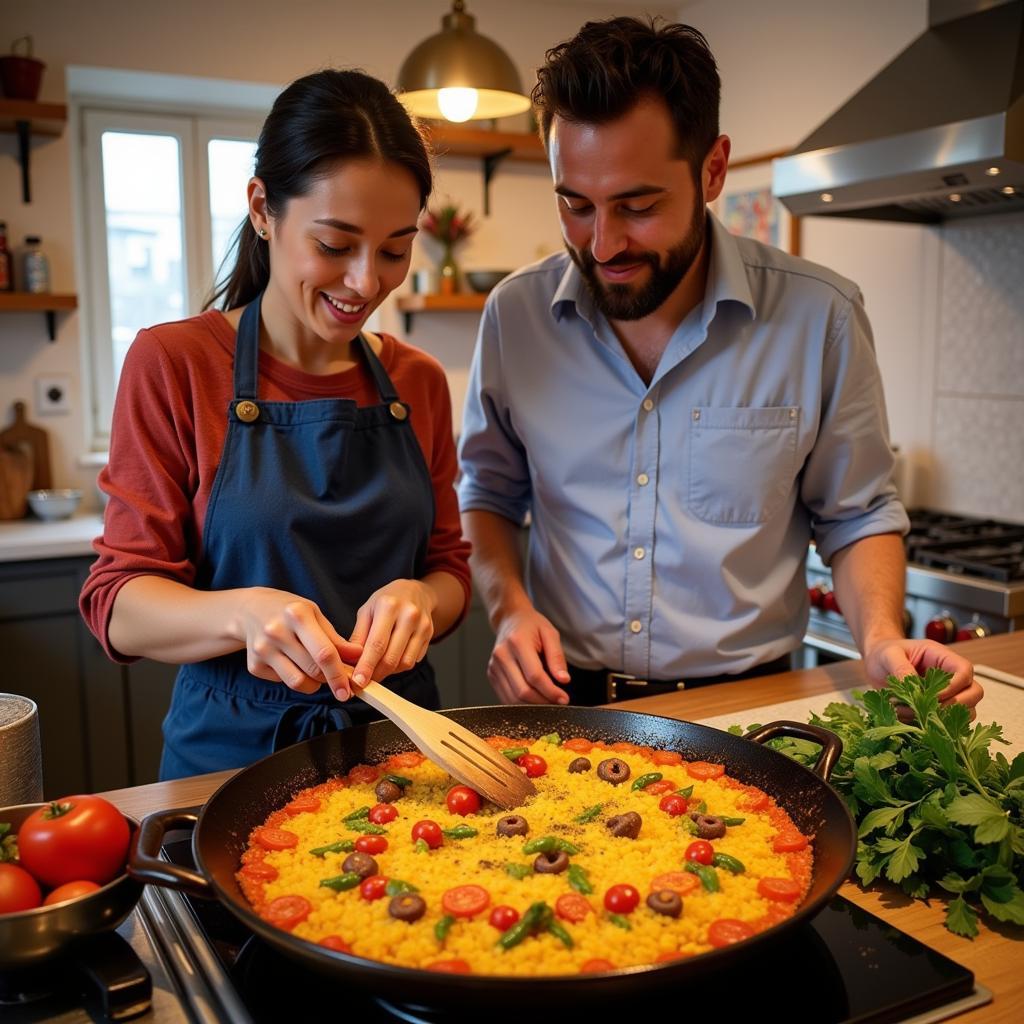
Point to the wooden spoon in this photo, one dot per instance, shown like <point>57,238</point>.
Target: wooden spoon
<point>461,753</point>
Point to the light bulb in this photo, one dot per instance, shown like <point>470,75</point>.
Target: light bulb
<point>457,104</point>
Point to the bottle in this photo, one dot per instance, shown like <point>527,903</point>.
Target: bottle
<point>6,277</point>
<point>37,266</point>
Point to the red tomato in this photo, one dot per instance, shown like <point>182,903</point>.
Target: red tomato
<point>287,911</point>
<point>621,899</point>
<point>666,757</point>
<point>784,890</point>
<point>335,942</point>
<point>363,773</point>
<point>371,844</point>
<point>503,917</point>
<point>726,931</point>
<point>673,804</point>
<point>257,871</point>
<point>373,888</point>
<point>429,832</point>
<point>754,801</point>
<point>18,890</point>
<point>571,906</point>
<point>681,882</point>
<point>534,764</point>
<point>70,891</point>
<point>703,770</point>
<point>304,803</point>
<point>276,838</point>
<point>462,800</point>
<point>596,965</point>
<point>78,837</point>
<point>578,745</point>
<point>407,759</point>
<point>465,900</point>
<point>672,954</point>
<point>659,787</point>
<point>701,851</point>
<point>789,842</point>
<point>381,814</point>
<point>450,967</point>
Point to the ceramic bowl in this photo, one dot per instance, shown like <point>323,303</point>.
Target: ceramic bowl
<point>485,280</point>
<point>54,504</point>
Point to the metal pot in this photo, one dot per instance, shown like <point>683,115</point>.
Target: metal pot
<point>222,828</point>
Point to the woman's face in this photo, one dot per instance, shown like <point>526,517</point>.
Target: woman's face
<point>337,252</point>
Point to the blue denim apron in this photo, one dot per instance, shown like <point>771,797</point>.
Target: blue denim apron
<point>321,498</point>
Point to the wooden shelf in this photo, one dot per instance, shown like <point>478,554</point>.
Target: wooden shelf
<point>25,118</point>
<point>463,302</point>
<point>39,302</point>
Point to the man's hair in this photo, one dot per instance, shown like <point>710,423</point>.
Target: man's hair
<point>609,66</point>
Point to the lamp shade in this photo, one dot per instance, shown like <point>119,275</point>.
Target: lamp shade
<point>460,75</point>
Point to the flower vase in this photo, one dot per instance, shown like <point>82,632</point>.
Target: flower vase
<point>448,273</point>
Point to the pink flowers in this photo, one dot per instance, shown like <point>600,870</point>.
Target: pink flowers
<point>447,224</point>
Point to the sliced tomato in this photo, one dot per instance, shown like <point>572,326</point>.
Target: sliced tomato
<point>466,900</point>
<point>789,842</point>
<point>755,800</point>
<point>671,954</point>
<point>335,942</point>
<point>681,882</point>
<point>784,890</point>
<point>363,773</point>
<point>578,745</point>
<point>725,931</point>
<point>660,787</point>
<point>571,906</point>
<point>703,770</point>
<point>407,759</point>
<point>371,844</point>
<point>373,888</point>
<point>18,890</point>
<point>666,757</point>
<point>257,871</point>
<point>621,899</point>
<point>381,814</point>
<point>276,839</point>
<point>287,911</point>
<point>503,917</point>
<point>304,803</point>
<point>596,965</point>
<point>450,967</point>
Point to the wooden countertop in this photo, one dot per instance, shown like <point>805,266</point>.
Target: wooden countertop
<point>995,956</point>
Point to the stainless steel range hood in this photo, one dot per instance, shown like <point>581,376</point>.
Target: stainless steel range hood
<point>939,133</point>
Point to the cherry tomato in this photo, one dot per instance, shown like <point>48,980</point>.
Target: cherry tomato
<point>754,801</point>
<point>304,803</point>
<point>503,917</point>
<point>673,804</point>
<point>363,773</point>
<point>621,899</point>
<point>276,838</point>
<point>784,890</point>
<point>726,931</point>
<point>257,871</point>
<point>596,965</point>
<point>571,906</point>
<point>335,942</point>
<point>287,911</point>
<point>76,838</point>
<point>703,770</point>
<point>70,891</point>
<point>462,800</point>
<point>450,967</point>
<point>465,900</point>
<point>371,844</point>
<point>666,757</point>
<point>701,851</point>
<point>681,882</point>
<point>534,764</point>
<point>789,842</point>
<point>381,814</point>
<point>373,888</point>
<point>429,832</point>
<point>660,787</point>
<point>18,890</point>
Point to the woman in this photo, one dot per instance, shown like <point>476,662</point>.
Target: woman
<point>282,521</point>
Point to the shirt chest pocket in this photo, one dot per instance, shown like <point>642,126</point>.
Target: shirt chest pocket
<point>742,462</point>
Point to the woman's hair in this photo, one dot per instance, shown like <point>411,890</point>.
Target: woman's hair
<point>608,66</point>
<point>317,121</point>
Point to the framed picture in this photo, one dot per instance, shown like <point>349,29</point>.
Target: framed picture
<point>748,208</point>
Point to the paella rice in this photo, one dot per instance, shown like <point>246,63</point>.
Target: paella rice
<point>585,887</point>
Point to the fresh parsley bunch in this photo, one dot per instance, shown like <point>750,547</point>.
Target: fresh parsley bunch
<point>932,805</point>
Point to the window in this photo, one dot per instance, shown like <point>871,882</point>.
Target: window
<point>164,196</point>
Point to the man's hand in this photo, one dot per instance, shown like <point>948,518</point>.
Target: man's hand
<point>902,657</point>
<point>516,670</point>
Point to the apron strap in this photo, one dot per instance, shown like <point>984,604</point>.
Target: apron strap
<point>247,350</point>
<point>388,392</point>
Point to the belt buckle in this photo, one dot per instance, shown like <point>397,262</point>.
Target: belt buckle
<point>612,680</point>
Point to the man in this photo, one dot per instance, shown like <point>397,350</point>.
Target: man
<point>679,412</point>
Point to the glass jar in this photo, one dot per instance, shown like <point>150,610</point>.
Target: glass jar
<point>35,265</point>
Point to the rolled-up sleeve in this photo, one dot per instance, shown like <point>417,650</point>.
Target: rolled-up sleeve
<point>495,471</point>
<point>847,481</point>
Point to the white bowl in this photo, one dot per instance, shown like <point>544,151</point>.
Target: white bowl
<point>55,504</point>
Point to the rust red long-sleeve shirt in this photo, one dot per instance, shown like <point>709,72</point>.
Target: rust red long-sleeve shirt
<point>168,431</point>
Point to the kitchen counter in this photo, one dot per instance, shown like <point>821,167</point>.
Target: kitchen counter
<point>24,539</point>
<point>995,956</point>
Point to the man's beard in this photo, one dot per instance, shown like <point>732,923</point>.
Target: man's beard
<point>623,301</point>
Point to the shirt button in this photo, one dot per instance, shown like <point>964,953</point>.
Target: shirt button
<point>643,479</point>
<point>638,553</point>
<point>696,415</point>
<point>635,626</point>
<point>648,405</point>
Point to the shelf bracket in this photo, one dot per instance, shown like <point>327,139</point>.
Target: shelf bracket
<point>51,324</point>
<point>24,140</point>
<point>490,164</point>
<point>407,320</point>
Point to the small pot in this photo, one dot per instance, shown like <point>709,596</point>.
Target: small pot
<point>20,73</point>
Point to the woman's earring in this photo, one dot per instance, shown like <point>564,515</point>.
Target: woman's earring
<point>263,232</point>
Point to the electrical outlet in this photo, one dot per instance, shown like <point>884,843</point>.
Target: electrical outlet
<point>53,394</point>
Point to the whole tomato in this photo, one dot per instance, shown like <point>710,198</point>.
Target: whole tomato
<point>70,891</point>
<point>77,838</point>
<point>18,890</point>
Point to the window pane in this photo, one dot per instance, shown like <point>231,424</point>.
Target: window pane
<point>142,196</point>
<point>231,165</point>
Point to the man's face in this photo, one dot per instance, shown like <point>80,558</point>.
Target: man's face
<point>633,217</point>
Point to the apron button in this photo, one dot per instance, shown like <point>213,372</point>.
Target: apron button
<point>247,411</point>
<point>398,410</point>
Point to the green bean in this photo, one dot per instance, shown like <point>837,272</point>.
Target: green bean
<point>459,832</point>
<point>723,860</point>
<point>553,738</point>
<point>688,825</point>
<point>701,808</point>
<point>443,927</point>
<point>513,752</point>
<point>708,876</point>
<point>396,887</point>
<point>589,814</point>
<point>339,883</point>
<point>733,822</point>
<point>645,780</point>
<point>367,828</point>
<point>421,846</point>
<point>523,926</point>
<point>519,871</point>
<point>362,812</point>
<point>343,846</point>
<point>686,791</point>
<point>578,880</point>
<point>399,780</point>
<point>548,844</point>
<point>620,922</point>
<point>560,933</point>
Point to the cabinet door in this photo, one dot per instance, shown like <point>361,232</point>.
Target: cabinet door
<point>478,642</point>
<point>150,684</point>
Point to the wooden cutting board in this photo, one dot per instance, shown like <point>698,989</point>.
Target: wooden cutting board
<point>21,434</point>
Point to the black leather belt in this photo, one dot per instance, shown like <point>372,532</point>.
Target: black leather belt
<point>601,686</point>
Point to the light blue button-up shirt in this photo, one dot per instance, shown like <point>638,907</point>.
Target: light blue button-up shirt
<point>670,521</point>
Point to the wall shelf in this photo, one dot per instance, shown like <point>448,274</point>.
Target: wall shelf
<point>469,302</point>
<point>25,118</point>
<point>39,302</point>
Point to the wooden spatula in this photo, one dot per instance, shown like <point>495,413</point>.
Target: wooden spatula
<point>461,753</point>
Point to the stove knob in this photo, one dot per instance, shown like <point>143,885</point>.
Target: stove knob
<point>972,631</point>
<point>829,603</point>
<point>816,595</point>
<point>942,629</point>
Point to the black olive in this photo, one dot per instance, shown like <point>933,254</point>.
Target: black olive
<point>709,826</point>
<point>665,901</point>
<point>626,825</point>
<point>361,864</point>
<point>407,906</point>
<point>580,764</point>
<point>512,825</point>
<point>553,863</point>
<point>387,792</point>
<point>613,770</point>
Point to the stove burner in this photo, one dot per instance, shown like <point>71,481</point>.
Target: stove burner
<point>984,548</point>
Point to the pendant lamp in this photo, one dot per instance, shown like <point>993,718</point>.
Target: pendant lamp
<point>459,75</point>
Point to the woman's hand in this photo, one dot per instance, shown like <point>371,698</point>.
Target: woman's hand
<point>289,640</point>
<point>393,629</point>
